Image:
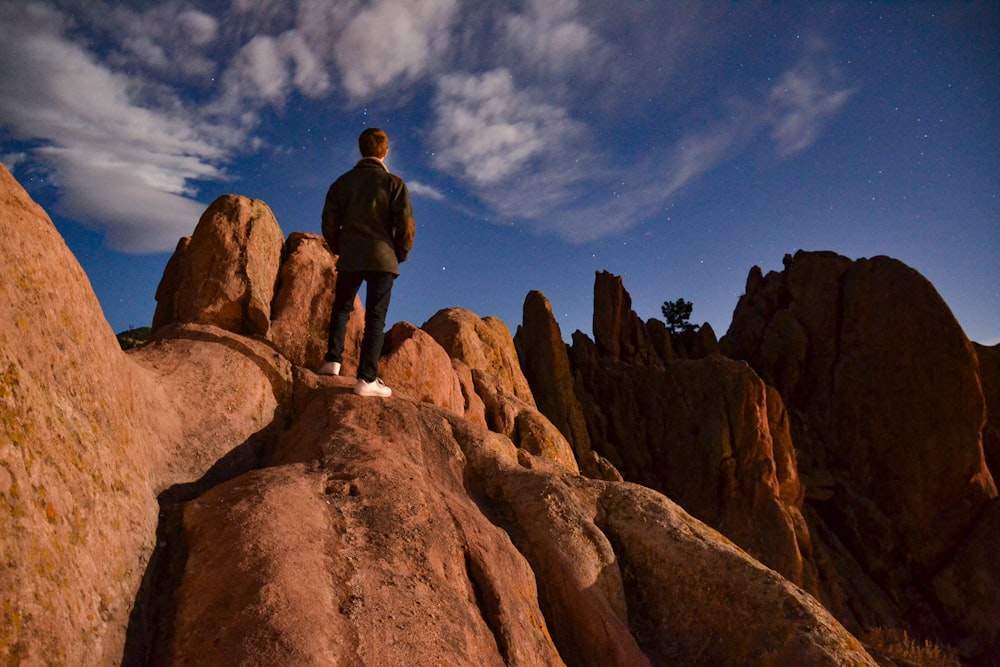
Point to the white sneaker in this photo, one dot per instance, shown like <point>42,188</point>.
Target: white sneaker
<point>376,388</point>
<point>330,368</point>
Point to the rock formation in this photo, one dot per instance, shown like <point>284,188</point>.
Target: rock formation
<point>208,499</point>
<point>886,411</point>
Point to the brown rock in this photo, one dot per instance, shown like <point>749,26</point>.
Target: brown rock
<point>545,362</point>
<point>695,343</point>
<point>329,528</point>
<point>475,409</point>
<point>521,422</point>
<point>90,436</point>
<point>552,591</point>
<point>300,313</point>
<point>699,432</point>
<point>78,437</point>
<point>221,388</point>
<point>414,364</point>
<point>989,379</point>
<point>481,343</point>
<point>886,414</point>
<point>967,588</point>
<point>225,275</point>
<point>486,347</point>
<point>884,382</point>
<point>618,332</point>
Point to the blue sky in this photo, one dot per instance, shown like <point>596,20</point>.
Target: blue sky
<point>676,144</point>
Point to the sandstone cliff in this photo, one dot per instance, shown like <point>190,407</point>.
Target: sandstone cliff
<point>208,499</point>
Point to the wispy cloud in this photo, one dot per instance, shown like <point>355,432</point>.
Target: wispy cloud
<point>803,100</point>
<point>520,105</point>
<point>392,40</point>
<point>423,190</point>
<point>111,158</point>
<point>487,130</point>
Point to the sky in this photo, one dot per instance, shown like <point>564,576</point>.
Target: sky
<point>674,144</point>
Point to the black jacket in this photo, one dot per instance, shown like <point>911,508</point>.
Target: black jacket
<point>368,220</point>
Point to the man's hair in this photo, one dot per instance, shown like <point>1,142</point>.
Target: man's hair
<point>373,142</point>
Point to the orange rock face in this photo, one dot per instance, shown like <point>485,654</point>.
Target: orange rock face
<point>209,499</point>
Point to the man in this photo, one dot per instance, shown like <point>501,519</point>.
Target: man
<point>368,223</point>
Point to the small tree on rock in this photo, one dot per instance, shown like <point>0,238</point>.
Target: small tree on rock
<point>677,313</point>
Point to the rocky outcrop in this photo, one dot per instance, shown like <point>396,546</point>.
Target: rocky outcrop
<point>226,273</point>
<point>545,362</point>
<point>482,343</point>
<point>886,411</point>
<point>300,524</point>
<point>699,431</point>
<point>514,564</point>
<point>486,348</point>
<point>618,332</point>
<point>89,437</point>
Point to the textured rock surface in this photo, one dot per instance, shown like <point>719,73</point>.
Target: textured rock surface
<point>414,364</point>
<point>989,377</point>
<point>300,313</point>
<point>413,514</point>
<point>88,438</point>
<point>545,362</point>
<point>699,432</point>
<point>487,349</point>
<point>482,343</point>
<point>225,275</point>
<point>207,500</point>
<point>887,414</point>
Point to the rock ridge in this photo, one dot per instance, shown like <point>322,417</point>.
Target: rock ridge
<point>209,499</point>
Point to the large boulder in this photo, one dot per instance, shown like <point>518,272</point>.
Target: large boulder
<point>482,343</point>
<point>79,448</point>
<point>483,560</point>
<point>413,363</point>
<point>886,410</point>
<point>226,274</point>
<point>90,438</point>
<point>883,391</point>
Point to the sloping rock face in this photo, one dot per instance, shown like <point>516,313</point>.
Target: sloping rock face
<point>699,431</point>
<point>884,397</point>
<point>88,439</point>
<point>300,524</point>
<point>512,564</point>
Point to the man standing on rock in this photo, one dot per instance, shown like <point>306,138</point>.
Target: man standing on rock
<point>368,223</point>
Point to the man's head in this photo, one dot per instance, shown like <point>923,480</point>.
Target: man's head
<point>373,142</point>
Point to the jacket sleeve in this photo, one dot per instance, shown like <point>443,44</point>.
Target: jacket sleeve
<point>404,226</point>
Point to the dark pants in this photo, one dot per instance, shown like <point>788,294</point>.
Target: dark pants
<point>376,306</point>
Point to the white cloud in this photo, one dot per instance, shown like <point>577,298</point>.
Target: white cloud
<point>428,191</point>
<point>392,40</point>
<point>116,164</point>
<point>802,101</point>
<point>199,28</point>
<point>262,65</point>
<point>485,130</point>
<point>551,39</point>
